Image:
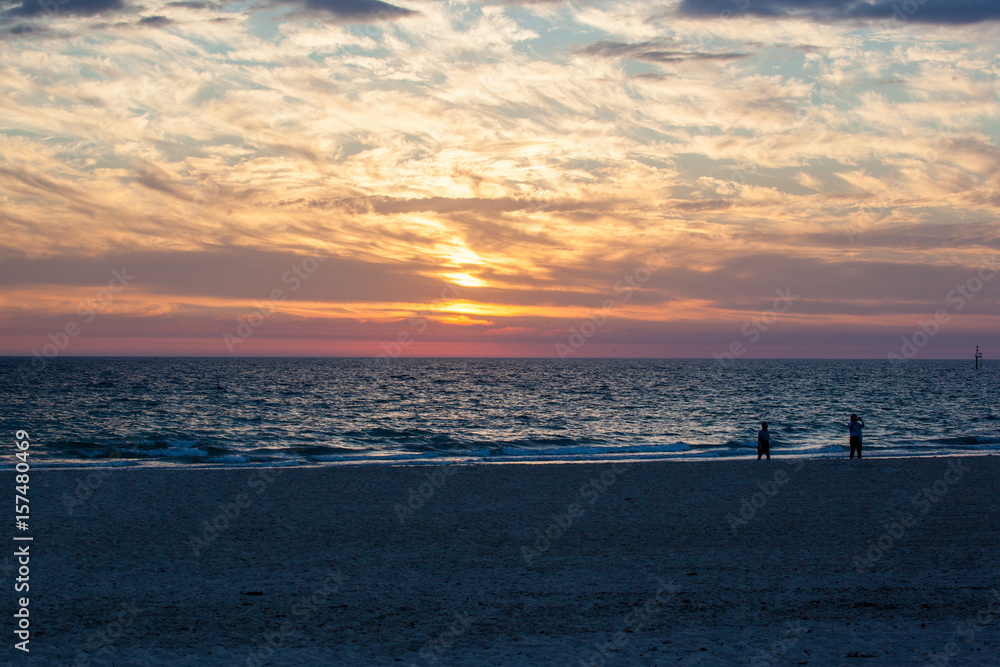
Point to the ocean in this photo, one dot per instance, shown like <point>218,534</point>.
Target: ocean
<point>247,412</point>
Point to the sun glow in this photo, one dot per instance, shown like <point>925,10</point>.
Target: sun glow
<point>465,280</point>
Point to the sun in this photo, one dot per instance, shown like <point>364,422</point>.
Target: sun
<point>465,280</point>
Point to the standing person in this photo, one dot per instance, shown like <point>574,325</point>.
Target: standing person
<point>855,427</point>
<point>763,442</point>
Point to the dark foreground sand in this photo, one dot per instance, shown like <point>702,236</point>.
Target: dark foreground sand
<point>634,565</point>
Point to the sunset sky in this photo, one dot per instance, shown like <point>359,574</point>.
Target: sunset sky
<point>581,179</point>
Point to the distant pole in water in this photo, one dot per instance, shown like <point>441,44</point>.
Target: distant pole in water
<point>979,355</point>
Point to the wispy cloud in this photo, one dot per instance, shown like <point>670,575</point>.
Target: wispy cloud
<point>351,10</point>
<point>924,11</point>
<point>652,52</point>
<point>68,8</point>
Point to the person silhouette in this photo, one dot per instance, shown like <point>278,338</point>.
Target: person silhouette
<point>855,428</point>
<point>763,442</point>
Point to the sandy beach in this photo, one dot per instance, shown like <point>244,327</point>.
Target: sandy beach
<point>815,562</point>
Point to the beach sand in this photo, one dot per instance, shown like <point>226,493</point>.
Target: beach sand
<point>833,562</point>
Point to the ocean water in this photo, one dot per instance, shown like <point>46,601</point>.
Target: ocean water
<point>242,412</point>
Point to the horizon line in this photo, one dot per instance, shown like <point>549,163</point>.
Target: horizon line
<point>229,356</point>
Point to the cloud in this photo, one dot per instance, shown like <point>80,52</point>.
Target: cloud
<point>231,273</point>
<point>344,10</point>
<point>155,20</point>
<point>70,7</point>
<point>653,52</point>
<point>922,11</point>
<point>193,4</point>
<point>353,10</point>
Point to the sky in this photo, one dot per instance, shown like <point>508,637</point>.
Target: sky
<point>702,178</point>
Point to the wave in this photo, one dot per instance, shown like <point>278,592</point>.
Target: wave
<point>592,450</point>
<point>418,446</point>
<point>967,440</point>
